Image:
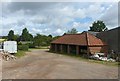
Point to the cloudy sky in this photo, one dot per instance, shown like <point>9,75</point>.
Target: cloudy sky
<point>55,17</point>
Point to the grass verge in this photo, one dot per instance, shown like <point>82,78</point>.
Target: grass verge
<point>91,60</point>
<point>20,54</point>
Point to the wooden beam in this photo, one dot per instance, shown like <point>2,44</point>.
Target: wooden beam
<point>61,48</point>
<point>68,49</point>
<point>77,49</point>
<point>55,47</point>
<point>88,51</point>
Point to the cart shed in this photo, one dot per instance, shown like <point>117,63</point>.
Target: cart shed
<point>84,43</point>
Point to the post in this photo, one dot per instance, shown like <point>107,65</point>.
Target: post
<point>61,48</point>
<point>55,47</point>
<point>87,51</point>
<point>77,50</point>
<point>68,49</point>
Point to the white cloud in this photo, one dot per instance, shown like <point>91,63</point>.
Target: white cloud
<point>110,17</point>
<point>47,17</point>
<point>81,26</point>
<point>76,24</point>
<point>59,32</point>
<point>36,30</point>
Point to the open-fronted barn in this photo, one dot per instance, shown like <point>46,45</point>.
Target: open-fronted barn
<point>84,43</point>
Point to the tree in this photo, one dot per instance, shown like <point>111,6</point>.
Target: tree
<point>26,36</point>
<point>49,39</point>
<point>36,40</point>
<point>98,26</point>
<point>11,35</point>
<point>30,37</point>
<point>56,37</point>
<point>50,36</point>
<point>40,40</point>
<point>16,38</point>
<point>72,31</point>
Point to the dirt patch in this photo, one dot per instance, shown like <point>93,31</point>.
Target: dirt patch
<point>39,64</point>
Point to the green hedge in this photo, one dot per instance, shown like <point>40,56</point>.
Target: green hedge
<point>23,47</point>
<point>31,45</point>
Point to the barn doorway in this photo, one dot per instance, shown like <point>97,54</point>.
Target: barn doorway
<point>82,50</point>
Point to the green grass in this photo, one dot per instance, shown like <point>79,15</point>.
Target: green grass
<point>91,60</point>
<point>104,62</point>
<point>20,54</point>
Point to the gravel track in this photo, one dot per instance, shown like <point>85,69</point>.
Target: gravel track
<point>40,64</point>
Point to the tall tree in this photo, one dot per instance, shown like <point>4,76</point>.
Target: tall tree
<point>36,40</point>
<point>25,35</point>
<point>30,37</point>
<point>50,36</point>
<point>98,26</point>
<point>11,35</point>
<point>49,39</point>
<point>72,31</point>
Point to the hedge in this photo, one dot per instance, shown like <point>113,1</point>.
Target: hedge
<point>23,47</point>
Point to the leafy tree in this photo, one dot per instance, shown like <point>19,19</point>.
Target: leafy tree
<point>4,37</point>
<point>72,31</point>
<point>30,37</point>
<point>56,37</point>
<point>42,40</point>
<point>49,39</point>
<point>50,36</point>
<point>37,40</point>
<point>16,38</point>
<point>11,35</point>
<point>26,36</point>
<point>98,26</point>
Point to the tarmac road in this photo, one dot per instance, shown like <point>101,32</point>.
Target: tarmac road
<point>39,64</point>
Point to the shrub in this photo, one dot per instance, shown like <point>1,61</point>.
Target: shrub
<point>31,45</point>
<point>23,47</point>
<point>19,43</point>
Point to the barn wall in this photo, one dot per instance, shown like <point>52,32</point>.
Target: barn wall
<point>93,50</point>
<point>111,37</point>
<point>100,49</point>
<point>52,47</point>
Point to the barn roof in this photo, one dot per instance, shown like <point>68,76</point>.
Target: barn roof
<point>84,38</point>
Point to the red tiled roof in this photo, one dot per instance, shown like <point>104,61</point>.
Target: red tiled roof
<point>84,38</point>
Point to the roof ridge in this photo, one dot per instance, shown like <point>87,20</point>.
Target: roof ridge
<point>74,34</point>
<point>87,38</point>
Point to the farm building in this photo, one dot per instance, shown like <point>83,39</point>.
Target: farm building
<point>111,37</point>
<point>84,43</point>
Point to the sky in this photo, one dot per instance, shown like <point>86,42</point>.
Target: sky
<point>55,18</point>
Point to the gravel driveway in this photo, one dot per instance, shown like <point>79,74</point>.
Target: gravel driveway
<point>40,64</point>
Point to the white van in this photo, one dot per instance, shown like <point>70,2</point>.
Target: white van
<point>10,46</point>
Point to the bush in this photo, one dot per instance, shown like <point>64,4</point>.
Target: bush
<point>19,43</point>
<point>23,47</point>
<point>31,45</point>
